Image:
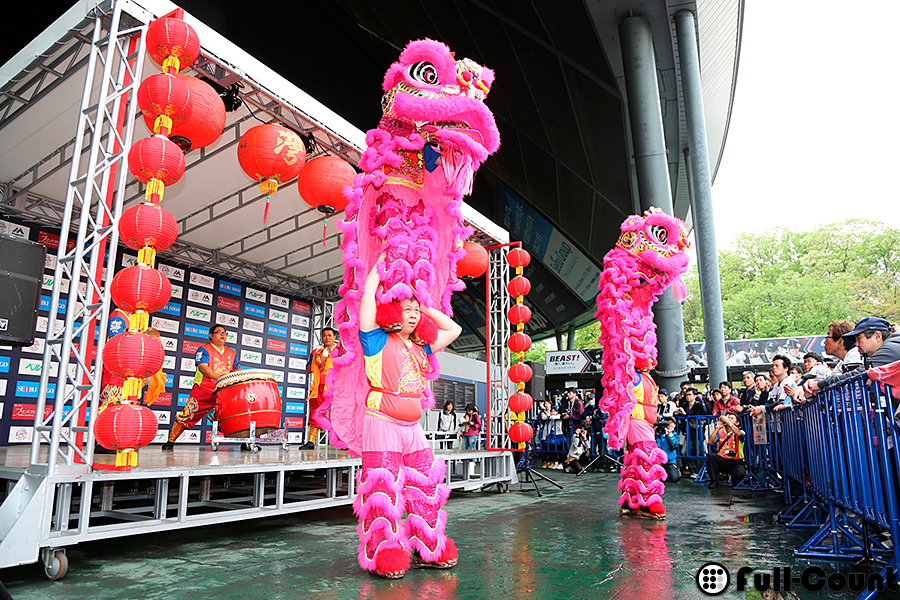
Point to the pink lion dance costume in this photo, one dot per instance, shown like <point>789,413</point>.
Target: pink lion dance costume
<point>420,161</point>
<point>648,257</point>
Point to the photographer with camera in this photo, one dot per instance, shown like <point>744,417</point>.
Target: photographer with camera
<point>726,444</point>
<point>577,449</point>
<point>667,441</point>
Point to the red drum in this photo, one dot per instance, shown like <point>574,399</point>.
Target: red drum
<point>244,396</point>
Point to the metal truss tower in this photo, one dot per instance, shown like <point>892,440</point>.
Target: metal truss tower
<point>498,356</point>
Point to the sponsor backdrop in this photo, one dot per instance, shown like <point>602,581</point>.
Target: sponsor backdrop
<point>267,330</point>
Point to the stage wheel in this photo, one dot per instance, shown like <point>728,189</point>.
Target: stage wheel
<point>56,567</point>
<point>286,447</point>
<point>215,446</point>
<point>255,448</point>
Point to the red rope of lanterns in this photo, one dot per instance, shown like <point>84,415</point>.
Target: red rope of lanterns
<point>147,227</point>
<point>519,343</point>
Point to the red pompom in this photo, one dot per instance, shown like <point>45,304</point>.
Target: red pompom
<point>392,560</point>
<point>389,315</point>
<point>426,331</point>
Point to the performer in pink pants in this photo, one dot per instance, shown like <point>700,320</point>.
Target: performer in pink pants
<point>399,472</point>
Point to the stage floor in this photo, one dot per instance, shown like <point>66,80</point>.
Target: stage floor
<point>568,544</point>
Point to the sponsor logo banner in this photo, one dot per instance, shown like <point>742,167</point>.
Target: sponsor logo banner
<point>295,407</point>
<point>189,347</point>
<point>303,307</point>
<point>191,436</point>
<point>300,349</point>
<point>45,304</point>
<point>277,330</point>
<point>251,357</point>
<point>168,362</point>
<point>188,364</point>
<point>164,400</point>
<point>169,344</point>
<point>170,380</point>
<point>167,325</point>
<point>254,309</point>
<point>203,280</point>
<point>199,314</point>
<point>231,338</point>
<point>182,399</point>
<point>295,422</point>
<point>197,331</point>
<point>20,434</point>
<point>275,345</point>
<point>254,325</point>
<point>29,389</point>
<point>200,297</point>
<point>28,366</point>
<point>171,272</point>
<point>161,437</point>
<point>298,393</point>
<point>277,315</point>
<point>172,308</point>
<point>228,304</point>
<point>257,295</point>
<point>227,320</point>
<point>295,437</point>
<point>36,348</point>
<point>275,360</point>
<point>177,292</point>
<point>297,363</point>
<point>47,283</point>
<point>163,416</point>
<point>301,335</point>
<point>25,412</point>
<point>300,321</point>
<point>280,301</point>
<point>279,376</point>
<point>226,287</point>
<point>299,378</point>
<point>50,262</point>
<point>52,241</point>
<point>2,392</point>
<point>19,231</point>
<point>129,260</point>
<point>186,383</point>
<point>4,364</point>
<point>254,341</point>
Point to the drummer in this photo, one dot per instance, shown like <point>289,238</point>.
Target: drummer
<point>213,360</point>
<point>318,366</point>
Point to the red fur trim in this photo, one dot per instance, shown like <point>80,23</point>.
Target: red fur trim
<point>450,552</point>
<point>388,315</point>
<point>426,331</point>
<point>391,560</point>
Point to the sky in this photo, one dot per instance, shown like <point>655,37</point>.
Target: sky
<point>815,132</point>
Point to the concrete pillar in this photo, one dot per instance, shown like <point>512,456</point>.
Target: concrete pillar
<point>652,169</point>
<point>570,338</point>
<point>697,163</point>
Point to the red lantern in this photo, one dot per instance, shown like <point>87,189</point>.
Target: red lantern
<point>156,158</point>
<point>207,119</point>
<point>166,99</point>
<point>474,263</point>
<point>172,44</point>
<point>271,154</point>
<point>148,225</point>
<point>518,258</point>
<point>518,373</point>
<point>520,432</point>
<point>125,426</point>
<point>520,402</point>
<point>519,342</point>
<point>518,286</point>
<point>133,354</point>
<point>140,288</point>
<point>519,314</point>
<point>322,184</point>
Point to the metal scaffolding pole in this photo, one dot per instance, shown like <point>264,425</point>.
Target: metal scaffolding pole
<point>645,115</point>
<point>697,162</point>
<point>498,356</point>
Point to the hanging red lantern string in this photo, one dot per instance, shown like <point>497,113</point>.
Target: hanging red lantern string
<point>205,123</point>
<point>271,154</point>
<point>140,288</point>
<point>321,185</point>
<point>156,162</point>
<point>519,343</point>
<point>125,427</point>
<point>474,263</point>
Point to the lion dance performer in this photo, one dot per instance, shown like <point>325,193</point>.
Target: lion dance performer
<point>648,258</point>
<point>403,235</point>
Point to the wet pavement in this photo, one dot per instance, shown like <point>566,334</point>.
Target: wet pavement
<point>570,543</point>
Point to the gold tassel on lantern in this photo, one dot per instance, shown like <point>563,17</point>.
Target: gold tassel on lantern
<point>171,65</point>
<point>147,256</point>
<point>139,320</point>
<point>155,187</point>
<point>126,458</point>
<point>132,387</point>
<point>163,125</point>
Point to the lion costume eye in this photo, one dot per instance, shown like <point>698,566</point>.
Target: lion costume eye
<point>659,234</point>
<point>424,72</point>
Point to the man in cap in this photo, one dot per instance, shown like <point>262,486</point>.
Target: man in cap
<point>875,341</point>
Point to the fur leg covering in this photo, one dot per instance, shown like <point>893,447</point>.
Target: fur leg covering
<point>425,495</point>
<point>380,505</point>
<point>642,478</point>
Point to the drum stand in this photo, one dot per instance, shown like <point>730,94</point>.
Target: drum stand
<point>276,435</point>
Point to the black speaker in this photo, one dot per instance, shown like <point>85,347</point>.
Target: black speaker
<point>21,275</point>
<point>535,386</point>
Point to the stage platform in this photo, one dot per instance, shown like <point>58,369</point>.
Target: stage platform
<point>189,486</point>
